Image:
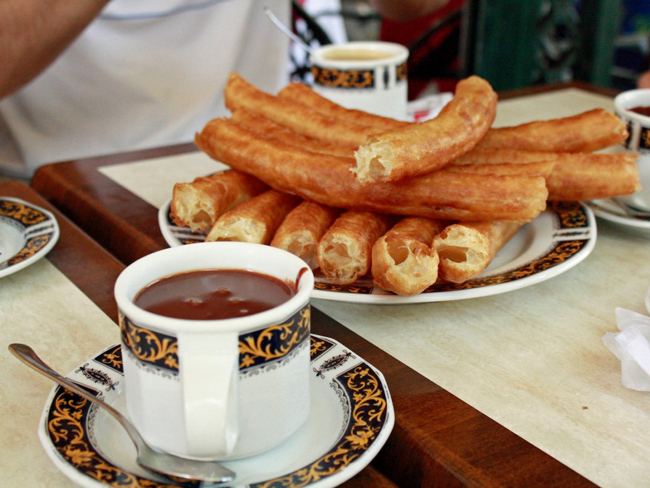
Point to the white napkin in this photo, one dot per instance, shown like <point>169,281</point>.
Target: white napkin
<point>632,347</point>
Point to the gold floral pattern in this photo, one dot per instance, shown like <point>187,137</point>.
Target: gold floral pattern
<point>338,78</point>
<point>644,140</point>
<point>22,213</point>
<point>402,72</point>
<point>274,342</point>
<point>67,428</point>
<point>33,245</point>
<point>368,413</point>
<point>255,348</point>
<point>153,348</point>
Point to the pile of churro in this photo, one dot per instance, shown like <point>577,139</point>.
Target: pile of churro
<point>408,204</point>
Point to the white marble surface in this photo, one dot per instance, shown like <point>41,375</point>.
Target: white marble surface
<point>532,359</point>
<point>42,308</point>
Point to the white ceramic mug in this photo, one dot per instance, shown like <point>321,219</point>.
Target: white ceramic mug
<point>369,76</point>
<point>216,389</point>
<point>638,141</point>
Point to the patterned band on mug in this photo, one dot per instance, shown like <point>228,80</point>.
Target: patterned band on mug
<point>256,349</point>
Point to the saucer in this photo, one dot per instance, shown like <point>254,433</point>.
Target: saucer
<point>350,420</point>
<point>27,233</point>
<point>608,210</point>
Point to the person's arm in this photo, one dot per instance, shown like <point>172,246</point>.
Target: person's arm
<point>34,32</point>
<point>405,10</point>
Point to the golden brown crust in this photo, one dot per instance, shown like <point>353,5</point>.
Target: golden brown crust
<point>420,148</point>
<point>271,130</point>
<point>404,260</point>
<point>328,180</point>
<point>585,132</point>
<point>302,230</point>
<point>467,248</point>
<point>301,93</point>
<point>199,204</point>
<point>345,251</point>
<point>255,220</point>
<point>585,176</point>
<point>503,155</point>
<point>295,116</point>
<point>541,168</point>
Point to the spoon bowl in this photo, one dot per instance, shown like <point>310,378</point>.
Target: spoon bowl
<point>160,463</point>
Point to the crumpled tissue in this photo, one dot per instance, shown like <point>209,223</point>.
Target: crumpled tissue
<point>632,347</point>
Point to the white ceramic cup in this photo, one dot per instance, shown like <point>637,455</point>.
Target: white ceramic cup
<point>353,76</point>
<point>638,141</point>
<point>216,389</point>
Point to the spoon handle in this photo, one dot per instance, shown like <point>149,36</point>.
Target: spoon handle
<point>27,355</point>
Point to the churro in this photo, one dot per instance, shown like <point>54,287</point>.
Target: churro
<point>467,248</point>
<point>327,180</point>
<point>586,176</point>
<point>345,251</point>
<point>404,260</point>
<point>585,132</point>
<point>199,204</point>
<point>293,115</point>
<point>302,229</point>
<point>421,148</point>
<point>255,220</point>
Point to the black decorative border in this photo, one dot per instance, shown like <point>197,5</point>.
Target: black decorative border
<point>256,349</point>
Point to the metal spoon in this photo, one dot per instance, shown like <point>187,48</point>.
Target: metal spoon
<point>630,210</point>
<point>278,23</point>
<point>160,463</point>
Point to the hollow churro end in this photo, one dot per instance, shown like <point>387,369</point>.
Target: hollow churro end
<point>374,161</point>
<point>301,244</point>
<point>339,261</point>
<point>404,267</point>
<point>237,229</point>
<point>464,252</point>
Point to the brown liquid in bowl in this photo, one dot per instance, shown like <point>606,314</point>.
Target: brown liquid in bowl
<point>641,110</point>
<point>213,294</point>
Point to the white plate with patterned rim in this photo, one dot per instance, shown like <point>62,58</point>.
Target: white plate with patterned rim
<point>27,233</point>
<point>350,420</point>
<point>558,239</point>
<point>608,210</point>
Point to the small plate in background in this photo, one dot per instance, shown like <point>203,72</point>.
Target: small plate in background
<point>27,233</point>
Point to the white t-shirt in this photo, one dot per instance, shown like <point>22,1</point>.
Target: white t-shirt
<point>145,73</point>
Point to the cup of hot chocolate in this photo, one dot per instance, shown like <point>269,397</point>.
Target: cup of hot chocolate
<point>633,108</point>
<point>215,342</point>
<point>363,75</point>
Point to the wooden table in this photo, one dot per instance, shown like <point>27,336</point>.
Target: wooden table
<point>438,440</point>
<point>94,271</point>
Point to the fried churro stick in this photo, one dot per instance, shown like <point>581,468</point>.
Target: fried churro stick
<point>501,155</point>
<point>302,229</point>
<point>585,132</point>
<point>466,249</point>
<point>345,251</point>
<point>585,176</point>
<point>417,149</point>
<point>541,168</point>
<point>199,204</point>
<point>270,129</point>
<point>293,115</point>
<point>404,260</point>
<point>301,93</point>
<point>328,180</point>
<point>255,220</point>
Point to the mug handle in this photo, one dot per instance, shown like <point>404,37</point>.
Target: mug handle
<point>209,373</point>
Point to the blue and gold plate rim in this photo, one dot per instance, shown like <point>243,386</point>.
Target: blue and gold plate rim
<point>38,230</point>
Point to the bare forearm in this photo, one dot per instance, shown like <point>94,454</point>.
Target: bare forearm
<point>405,10</point>
<point>34,32</point>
